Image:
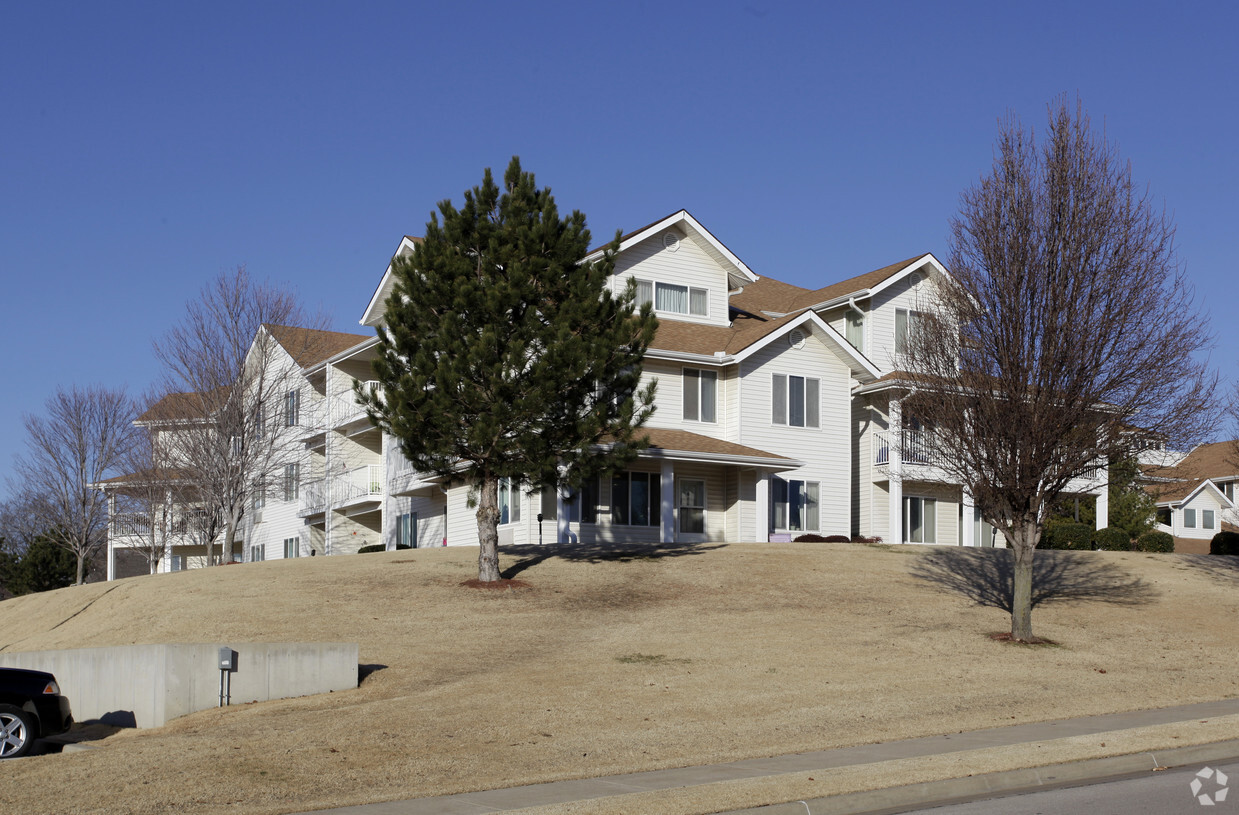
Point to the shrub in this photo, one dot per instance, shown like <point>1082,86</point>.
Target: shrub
<point>1224,543</point>
<point>1155,541</point>
<point>1111,539</point>
<point>838,539</point>
<point>1067,535</point>
<point>863,539</point>
<point>374,547</point>
<point>810,538</point>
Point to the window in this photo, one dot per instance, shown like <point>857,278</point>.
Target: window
<point>176,563</point>
<point>1228,489</point>
<point>672,298</point>
<point>292,547</point>
<point>920,519</point>
<point>692,506</point>
<point>1163,516</point>
<point>292,408</point>
<point>1189,518</point>
<point>906,324</point>
<point>509,502</point>
<point>588,498</point>
<point>855,329</point>
<point>636,499</point>
<point>700,395</point>
<point>257,552</point>
<point>406,531</point>
<point>259,500</point>
<point>795,504</point>
<point>795,401</point>
<point>1206,519</point>
<point>292,481</point>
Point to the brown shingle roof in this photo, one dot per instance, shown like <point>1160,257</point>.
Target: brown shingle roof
<point>781,298</point>
<point>662,438</point>
<point>310,346</point>
<point>184,406</point>
<point>1216,460</point>
<point>693,338</point>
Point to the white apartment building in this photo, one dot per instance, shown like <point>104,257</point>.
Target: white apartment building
<point>778,414</point>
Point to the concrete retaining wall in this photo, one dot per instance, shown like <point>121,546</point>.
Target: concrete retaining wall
<point>146,685</point>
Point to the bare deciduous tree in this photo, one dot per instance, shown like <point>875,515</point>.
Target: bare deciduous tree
<point>1067,322</point>
<point>227,380</point>
<point>81,438</point>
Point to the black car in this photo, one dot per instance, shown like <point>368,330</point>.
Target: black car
<point>31,707</point>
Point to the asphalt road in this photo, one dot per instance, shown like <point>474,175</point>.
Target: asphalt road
<point>1155,793</point>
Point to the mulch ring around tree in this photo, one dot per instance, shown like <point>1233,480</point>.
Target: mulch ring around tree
<point>502,583</point>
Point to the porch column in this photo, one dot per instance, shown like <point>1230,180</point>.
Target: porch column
<point>111,546</point>
<point>562,507</point>
<point>761,507</point>
<point>668,502</point>
<point>1103,506</point>
<point>967,521</point>
<point>895,469</point>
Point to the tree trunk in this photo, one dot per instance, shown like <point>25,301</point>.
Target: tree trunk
<point>81,569</point>
<point>1024,548</point>
<point>488,530</point>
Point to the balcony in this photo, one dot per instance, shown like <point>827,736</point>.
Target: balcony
<point>313,498</point>
<point>344,407</point>
<point>358,486</point>
<point>915,448</point>
<point>126,524</point>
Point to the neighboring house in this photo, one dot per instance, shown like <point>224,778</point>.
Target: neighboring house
<point>1196,496</point>
<point>778,414</point>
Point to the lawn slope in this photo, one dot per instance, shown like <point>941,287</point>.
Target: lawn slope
<point>614,662</point>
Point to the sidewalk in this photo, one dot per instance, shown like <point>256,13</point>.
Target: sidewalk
<point>560,792</point>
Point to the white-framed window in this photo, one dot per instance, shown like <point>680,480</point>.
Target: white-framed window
<point>794,504</point>
<point>1189,518</point>
<point>176,563</point>
<point>292,482</point>
<point>855,329</point>
<point>259,499</point>
<point>292,408</point>
<point>907,322</point>
<point>587,499</point>
<point>406,531</point>
<point>258,552</point>
<point>636,499</point>
<point>292,547</point>
<point>795,401</point>
<point>700,395</point>
<point>1228,489</point>
<point>509,502</point>
<point>673,298</point>
<point>920,519</point>
<point>692,504</point>
<point>1206,519</point>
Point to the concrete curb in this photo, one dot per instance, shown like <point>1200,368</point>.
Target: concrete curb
<point>938,793</point>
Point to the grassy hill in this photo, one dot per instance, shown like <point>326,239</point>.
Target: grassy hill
<point>621,661</point>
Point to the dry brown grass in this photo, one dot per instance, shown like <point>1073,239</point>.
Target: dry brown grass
<point>614,664</point>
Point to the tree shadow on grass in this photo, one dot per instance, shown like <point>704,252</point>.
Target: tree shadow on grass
<point>533,554</point>
<point>1225,567</point>
<point>987,576</point>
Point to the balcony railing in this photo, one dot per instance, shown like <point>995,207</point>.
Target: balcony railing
<point>313,496</point>
<point>344,407</point>
<point>359,483</point>
<point>129,523</point>
<point>914,446</point>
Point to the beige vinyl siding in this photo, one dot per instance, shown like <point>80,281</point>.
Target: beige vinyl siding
<point>946,511</point>
<point>825,451</point>
<point>689,266</point>
<point>669,399</point>
<point>880,331</point>
<point>1203,500</point>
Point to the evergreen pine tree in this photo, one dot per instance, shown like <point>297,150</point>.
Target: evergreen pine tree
<point>503,355</point>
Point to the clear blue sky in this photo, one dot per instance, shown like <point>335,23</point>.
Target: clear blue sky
<point>145,148</point>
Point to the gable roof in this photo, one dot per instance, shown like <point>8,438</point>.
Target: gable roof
<point>180,407</point>
<point>684,444</point>
<point>775,297</point>
<point>310,346</point>
<point>739,274</point>
<point>1205,463</point>
<point>374,309</point>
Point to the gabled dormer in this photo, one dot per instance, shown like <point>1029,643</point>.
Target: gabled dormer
<point>681,269</point>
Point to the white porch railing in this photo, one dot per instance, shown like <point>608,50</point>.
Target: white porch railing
<point>344,407</point>
<point>313,496</point>
<point>124,524</point>
<point>914,446</point>
<point>359,483</point>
